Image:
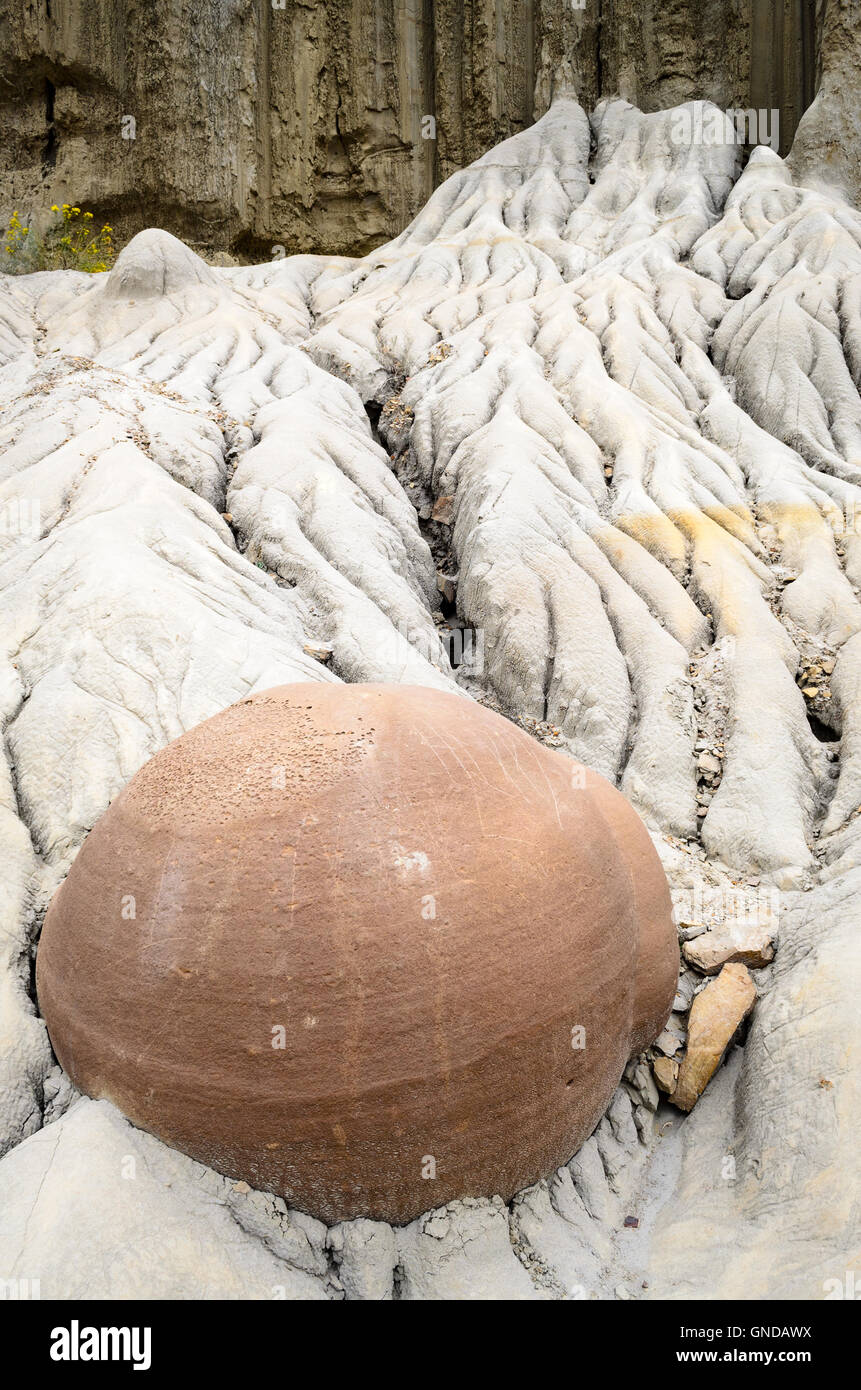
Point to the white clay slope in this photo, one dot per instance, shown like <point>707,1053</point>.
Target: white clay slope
<point>627,376</point>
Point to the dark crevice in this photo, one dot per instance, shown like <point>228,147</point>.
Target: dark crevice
<point>429,65</point>
<point>820,730</point>
<point>550,658</point>
<point>373,410</point>
<point>49,148</point>
<point>599,65</point>
<point>784,61</point>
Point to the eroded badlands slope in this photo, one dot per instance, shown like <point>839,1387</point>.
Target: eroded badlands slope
<point>617,437</point>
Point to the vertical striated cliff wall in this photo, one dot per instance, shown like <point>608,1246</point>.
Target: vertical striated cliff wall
<point>325,124</point>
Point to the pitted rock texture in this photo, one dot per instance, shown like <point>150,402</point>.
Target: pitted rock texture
<point>393,931</point>
<point>597,407</point>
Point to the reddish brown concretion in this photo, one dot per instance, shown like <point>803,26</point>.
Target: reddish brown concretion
<point>657,973</point>
<point>419,894</point>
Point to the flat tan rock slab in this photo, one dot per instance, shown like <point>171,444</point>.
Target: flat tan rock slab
<point>752,944</point>
<point>715,1015</point>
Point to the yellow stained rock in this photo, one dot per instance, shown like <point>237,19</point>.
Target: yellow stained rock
<point>715,1015</point>
<point>666,1071</point>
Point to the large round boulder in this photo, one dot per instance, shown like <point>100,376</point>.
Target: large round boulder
<point>369,947</point>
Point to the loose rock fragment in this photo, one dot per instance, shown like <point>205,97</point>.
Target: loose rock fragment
<point>447,585</point>
<point>443,510</point>
<point>714,1018</point>
<point>320,651</point>
<point>751,945</point>
<point>666,1071</point>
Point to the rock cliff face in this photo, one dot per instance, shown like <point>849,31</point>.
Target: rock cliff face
<point>244,125</point>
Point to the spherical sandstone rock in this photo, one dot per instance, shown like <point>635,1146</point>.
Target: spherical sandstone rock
<point>338,942</point>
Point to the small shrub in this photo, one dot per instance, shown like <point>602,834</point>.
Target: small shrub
<point>69,243</point>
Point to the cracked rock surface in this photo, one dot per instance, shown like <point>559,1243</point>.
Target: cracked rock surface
<point>596,407</point>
